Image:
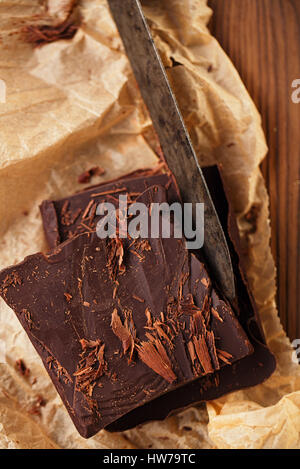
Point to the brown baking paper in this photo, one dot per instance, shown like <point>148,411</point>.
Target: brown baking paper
<point>73,104</point>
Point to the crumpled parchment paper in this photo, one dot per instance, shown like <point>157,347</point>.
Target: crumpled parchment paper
<point>73,104</point>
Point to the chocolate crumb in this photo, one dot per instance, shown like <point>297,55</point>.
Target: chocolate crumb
<point>87,175</point>
<point>22,368</point>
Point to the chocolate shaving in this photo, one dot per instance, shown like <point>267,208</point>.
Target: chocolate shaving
<point>191,350</point>
<point>162,334</point>
<point>112,191</point>
<point>216,314</point>
<point>12,279</point>
<point>140,258</point>
<point>115,258</point>
<point>53,364</point>
<point>142,245</point>
<point>204,345</point>
<point>68,217</point>
<point>87,209</point>
<point>137,298</point>
<point>224,356</point>
<point>149,317</point>
<point>210,339</point>
<point>40,34</point>
<point>125,332</point>
<point>205,282</point>
<point>68,297</point>
<point>90,368</point>
<point>203,354</point>
<point>27,317</point>
<point>154,355</point>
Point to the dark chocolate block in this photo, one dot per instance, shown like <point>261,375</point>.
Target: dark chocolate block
<point>120,323</point>
<point>247,372</point>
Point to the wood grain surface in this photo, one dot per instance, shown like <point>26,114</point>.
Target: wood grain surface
<point>262,38</point>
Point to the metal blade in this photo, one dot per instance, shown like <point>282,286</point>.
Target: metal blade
<point>174,138</point>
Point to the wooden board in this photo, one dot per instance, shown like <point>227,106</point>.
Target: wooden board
<point>262,37</point>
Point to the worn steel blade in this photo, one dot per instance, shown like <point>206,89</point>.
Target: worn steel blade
<point>172,133</point>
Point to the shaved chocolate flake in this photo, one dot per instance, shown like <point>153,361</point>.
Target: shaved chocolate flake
<point>61,372</point>
<point>158,326</point>
<point>210,339</point>
<point>191,350</point>
<point>224,356</point>
<point>91,367</point>
<point>205,282</point>
<point>149,317</point>
<point>125,332</point>
<point>204,344</point>
<point>68,217</point>
<point>68,297</point>
<point>141,258</point>
<point>115,258</point>
<point>206,310</point>
<point>112,191</point>
<point>137,298</point>
<point>87,209</point>
<point>93,406</point>
<point>86,227</point>
<point>40,34</point>
<point>13,279</point>
<point>142,245</point>
<point>203,354</point>
<point>216,314</point>
<point>154,355</point>
<point>172,307</point>
<point>65,207</point>
<point>27,317</point>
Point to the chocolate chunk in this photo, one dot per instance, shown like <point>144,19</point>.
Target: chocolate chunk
<point>121,323</point>
<point>249,371</point>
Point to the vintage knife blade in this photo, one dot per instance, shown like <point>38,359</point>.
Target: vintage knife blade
<point>172,133</point>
